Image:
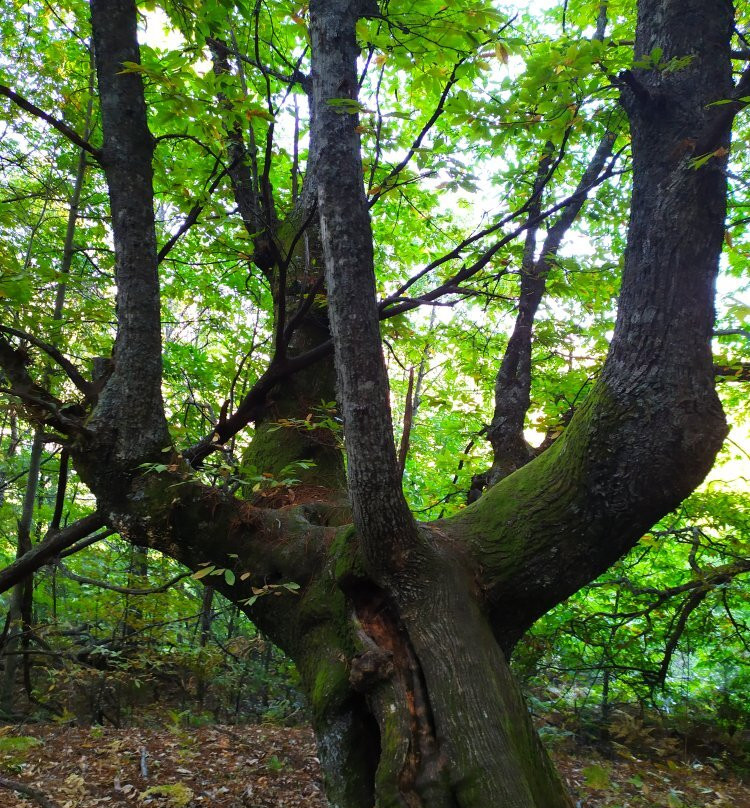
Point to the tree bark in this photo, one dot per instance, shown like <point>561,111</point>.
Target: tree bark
<point>650,429</point>
<point>21,597</point>
<point>130,413</point>
<point>423,614</point>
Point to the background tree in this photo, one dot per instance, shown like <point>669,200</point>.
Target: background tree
<point>400,629</point>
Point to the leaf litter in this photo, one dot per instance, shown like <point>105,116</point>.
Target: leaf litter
<point>268,766</point>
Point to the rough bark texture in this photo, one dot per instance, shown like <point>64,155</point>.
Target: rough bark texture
<point>131,403</point>
<point>649,431</point>
<point>457,755</point>
<point>380,510</point>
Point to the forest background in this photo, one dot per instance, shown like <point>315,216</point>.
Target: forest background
<point>456,119</point>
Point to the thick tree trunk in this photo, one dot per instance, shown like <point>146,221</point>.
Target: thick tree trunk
<point>414,704</point>
<point>453,728</point>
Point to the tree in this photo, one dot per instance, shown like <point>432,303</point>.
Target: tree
<point>400,629</point>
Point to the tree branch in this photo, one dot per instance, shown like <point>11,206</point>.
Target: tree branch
<point>385,525</point>
<point>61,127</point>
<point>70,369</point>
<point>651,426</point>
<point>48,548</point>
<point>133,415</point>
<point>716,133</point>
<point>688,607</point>
<point>386,184</point>
<point>123,590</point>
<point>296,77</point>
<point>41,406</point>
<point>513,383</point>
<point>192,217</point>
<point>33,793</point>
<point>484,259</point>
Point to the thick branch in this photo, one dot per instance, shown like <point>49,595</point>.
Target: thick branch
<point>41,406</point>
<point>513,384</point>
<point>244,170</point>
<point>33,793</point>
<point>716,132</point>
<point>134,412</point>
<point>380,511</point>
<point>691,603</point>
<point>651,426</point>
<point>48,548</point>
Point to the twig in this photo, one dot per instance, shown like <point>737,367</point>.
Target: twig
<point>28,791</point>
<point>123,590</point>
<point>193,215</point>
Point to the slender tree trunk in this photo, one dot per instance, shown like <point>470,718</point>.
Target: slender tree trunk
<point>205,622</point>
<point>21,597</point>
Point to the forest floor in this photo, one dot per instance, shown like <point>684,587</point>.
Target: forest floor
<point>276,767</point>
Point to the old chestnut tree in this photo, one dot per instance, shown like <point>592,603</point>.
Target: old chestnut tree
<point>218,216</point>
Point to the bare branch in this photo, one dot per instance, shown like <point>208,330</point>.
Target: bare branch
<point>61,127</point>
<point>732,332</point>
<point>296,77</point>
<point>192,216</point>
<point>437,112</point>
<point>123,590</point>
<point>28,791</point>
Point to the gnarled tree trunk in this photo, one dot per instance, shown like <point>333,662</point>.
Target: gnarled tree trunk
<point>401,630</point>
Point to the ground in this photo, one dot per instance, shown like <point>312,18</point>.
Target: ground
<point>276,767</point>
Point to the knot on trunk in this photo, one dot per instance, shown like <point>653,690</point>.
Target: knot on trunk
<point>369,668</point>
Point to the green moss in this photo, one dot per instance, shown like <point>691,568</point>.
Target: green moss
<point>330,684</point>
<point>503,523</point>
<point>345,555</point>
<point>323,620</point>
<point>177,795</point>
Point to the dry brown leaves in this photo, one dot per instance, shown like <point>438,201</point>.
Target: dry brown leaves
<point>276,767</point>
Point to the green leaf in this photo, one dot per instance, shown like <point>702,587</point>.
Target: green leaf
<point>204,572</point>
